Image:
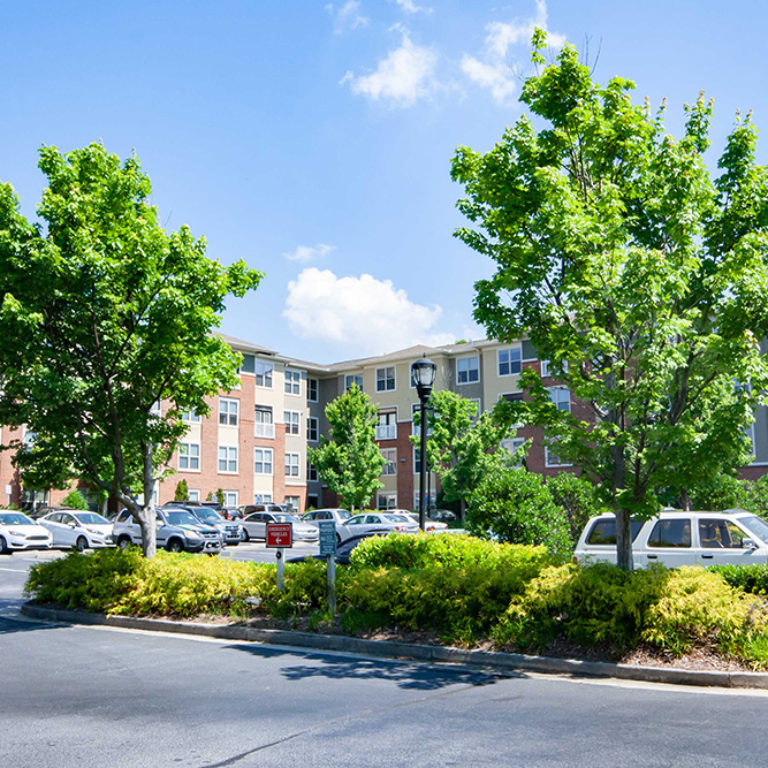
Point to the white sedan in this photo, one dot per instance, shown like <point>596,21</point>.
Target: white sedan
<point>255,526</point>
<point>375,521</point>
<point>73,528</point>
<point>430,525</point>
<point>17,531</point>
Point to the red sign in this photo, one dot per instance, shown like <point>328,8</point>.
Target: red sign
<point>279,535</point>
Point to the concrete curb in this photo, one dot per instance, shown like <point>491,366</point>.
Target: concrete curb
<point>502,662</point>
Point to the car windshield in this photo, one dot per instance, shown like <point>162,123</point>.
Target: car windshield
<point>286,518</point>
<point>398,518</point>
<point>181,518</point>
<point>755,525</point>
<point>14,518</point>
<point>91,518</point>
<point>210,516</point>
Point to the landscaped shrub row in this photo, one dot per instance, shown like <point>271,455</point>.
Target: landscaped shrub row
<point>464,588</point>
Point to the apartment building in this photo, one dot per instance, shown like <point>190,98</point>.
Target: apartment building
<point>253,447</point>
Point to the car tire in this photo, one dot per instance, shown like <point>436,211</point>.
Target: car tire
<point>81,544</point>
<point>4,550</point>
<point>174,545</point>
<point>124,542</point>
<point>246,537</point>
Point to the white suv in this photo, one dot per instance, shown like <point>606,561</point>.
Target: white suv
<point>680,538</point>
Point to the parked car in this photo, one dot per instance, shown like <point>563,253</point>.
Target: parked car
<point>269,506</point>
<point>344,549</point>
<point>430,525</point>
<point>680,538</point>
<point>17,531</point>
<point>375,521</point>
<point>231,532</point>
<point>339,516</point>
<point>231,513</point>
<point>177,531</point>
<point>255,526</point>
<point>443,515</point>
<point>78,529</point>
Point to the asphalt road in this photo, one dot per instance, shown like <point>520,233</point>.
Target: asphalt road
<point>88,696</point>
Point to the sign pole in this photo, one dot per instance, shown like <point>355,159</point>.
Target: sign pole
<point>280,569</point>
<point>280,536</point>
<point>332,584</point>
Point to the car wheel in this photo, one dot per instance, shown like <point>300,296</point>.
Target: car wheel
<point>4,547</point>
<point>124,542</point>
<point>174,545</point>
<point>246,537</point>
<point>81,543</point>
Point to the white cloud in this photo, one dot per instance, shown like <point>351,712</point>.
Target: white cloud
<point>495,70</point>
<point>367,315</point>
<point>406,75</point>
<point>306,253</point>
<point>347,16</point>
<point>410,7</point>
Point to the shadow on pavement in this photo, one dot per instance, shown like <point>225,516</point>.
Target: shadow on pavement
<point>407,675</point>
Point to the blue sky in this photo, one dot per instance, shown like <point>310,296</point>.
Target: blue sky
<point>314,139</point>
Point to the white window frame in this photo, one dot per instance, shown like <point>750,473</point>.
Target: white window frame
<point>469,371</point>
<point>226,411</point>
<point>313,387</point>
<point>261,428</point>
<point>288,501</point>
<point>230,456</point>
<point>546,373</point>
<point>267,459</point>
<point>230,498</point>
<point>389,469</point>
<point>190,417</point>
<point>186,454</point>
<point>416,450</point>
<point>193,494</point>
<point>390,496</point>
<point>263,374</point>
<point>519,361</point>
<point>356,379</point>
<point>549,459</point>
<point>386,379</point>
<point>292,421</point>
<point>313,429</point>
<point>415,429</point>
<point>292,463</point>
<point>386,429</point>
<point>292,382</point>
<point>555,399</point>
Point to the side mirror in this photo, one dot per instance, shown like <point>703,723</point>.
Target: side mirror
<point>748,544</point>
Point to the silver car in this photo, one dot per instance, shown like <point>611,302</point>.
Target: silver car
<point>255,526</point>
<point>78,529</point>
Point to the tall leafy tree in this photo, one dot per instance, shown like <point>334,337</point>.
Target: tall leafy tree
<point>620,256</point>
<point>461,442</point>
<point>107,327</point>
<point>348,460</point>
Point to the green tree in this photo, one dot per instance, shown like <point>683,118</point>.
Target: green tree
<point>182,491</point>
<point>348,461</point>
<point>75,500</point>
<point>576,497</point>
<point>461,443</point>
<point>516,506</point>
<point>640,278</point>
<point>117,317</point>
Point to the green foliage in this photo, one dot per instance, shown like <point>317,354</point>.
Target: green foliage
<point>348,460</point>
<point>75,499</point>
<point>117,316</point>
<point>516,506</point>
<point>576,496</point>
<point>182,491</point>
<point>749,578</point>
<point>618,254</point>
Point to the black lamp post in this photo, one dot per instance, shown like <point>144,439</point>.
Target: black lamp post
<point>423,377</point>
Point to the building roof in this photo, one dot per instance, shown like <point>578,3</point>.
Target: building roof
<point>247,346</point>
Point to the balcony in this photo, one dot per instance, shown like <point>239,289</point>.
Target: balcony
<point>386,432</point>
<point>264,430</point>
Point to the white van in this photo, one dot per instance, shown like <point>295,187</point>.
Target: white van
<point>680,538</point>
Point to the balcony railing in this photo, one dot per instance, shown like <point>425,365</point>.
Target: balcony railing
<point>386,432</point>
<point>264,430</point>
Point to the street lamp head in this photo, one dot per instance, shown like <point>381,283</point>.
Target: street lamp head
<point>423,376</point>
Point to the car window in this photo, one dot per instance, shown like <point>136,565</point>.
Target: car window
<point>125,516</point>
<point>54,518</point>
<point>671,534</point>
<point>68,520</point>
<point>603,531</point>
<point>343,514</point>
<point>399,518</point>
<point>181,518</point>
<point>91,518</point>
<point>355,520</point>
<point>755,525</point>
<point>14,518</point>
<point>716,533</point>
<point>372,520</point>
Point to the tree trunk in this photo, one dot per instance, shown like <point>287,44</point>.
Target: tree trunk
<point>685,501</point>
<point>623,540</point>
<point>147,514</point>
<point>462,509</point>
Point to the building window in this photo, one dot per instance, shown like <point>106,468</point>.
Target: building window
<point>311,473</point>
<point>561,397</point>
<point>467,370</point>
<point>262,422</point>
<point>291,419</point>
<point>390,461</point>
<point>416,461</point>
<point>293,503</point>
<point>227,458</point>
<point>189,456</point>
<point>416,428</point>
<point>311,390</point>
<point>551,459</point>
<point>385,379</point>
<point>263,373</point>
<point>262,461</point>
<point>230,498</point>
<point>510,361</point>
<point>511,445</point>
<point>228,409</point>
<point>313,429</point>
<point>431,500</point>
<point>193,494</point>
<point>262,498</point>
<point>387,426</point>
<point>386,501</point>
<point>292,382</point>
<point>190,417</point>
<point>546,368</point>
<point>350,380</point>
<point>291,464</point>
